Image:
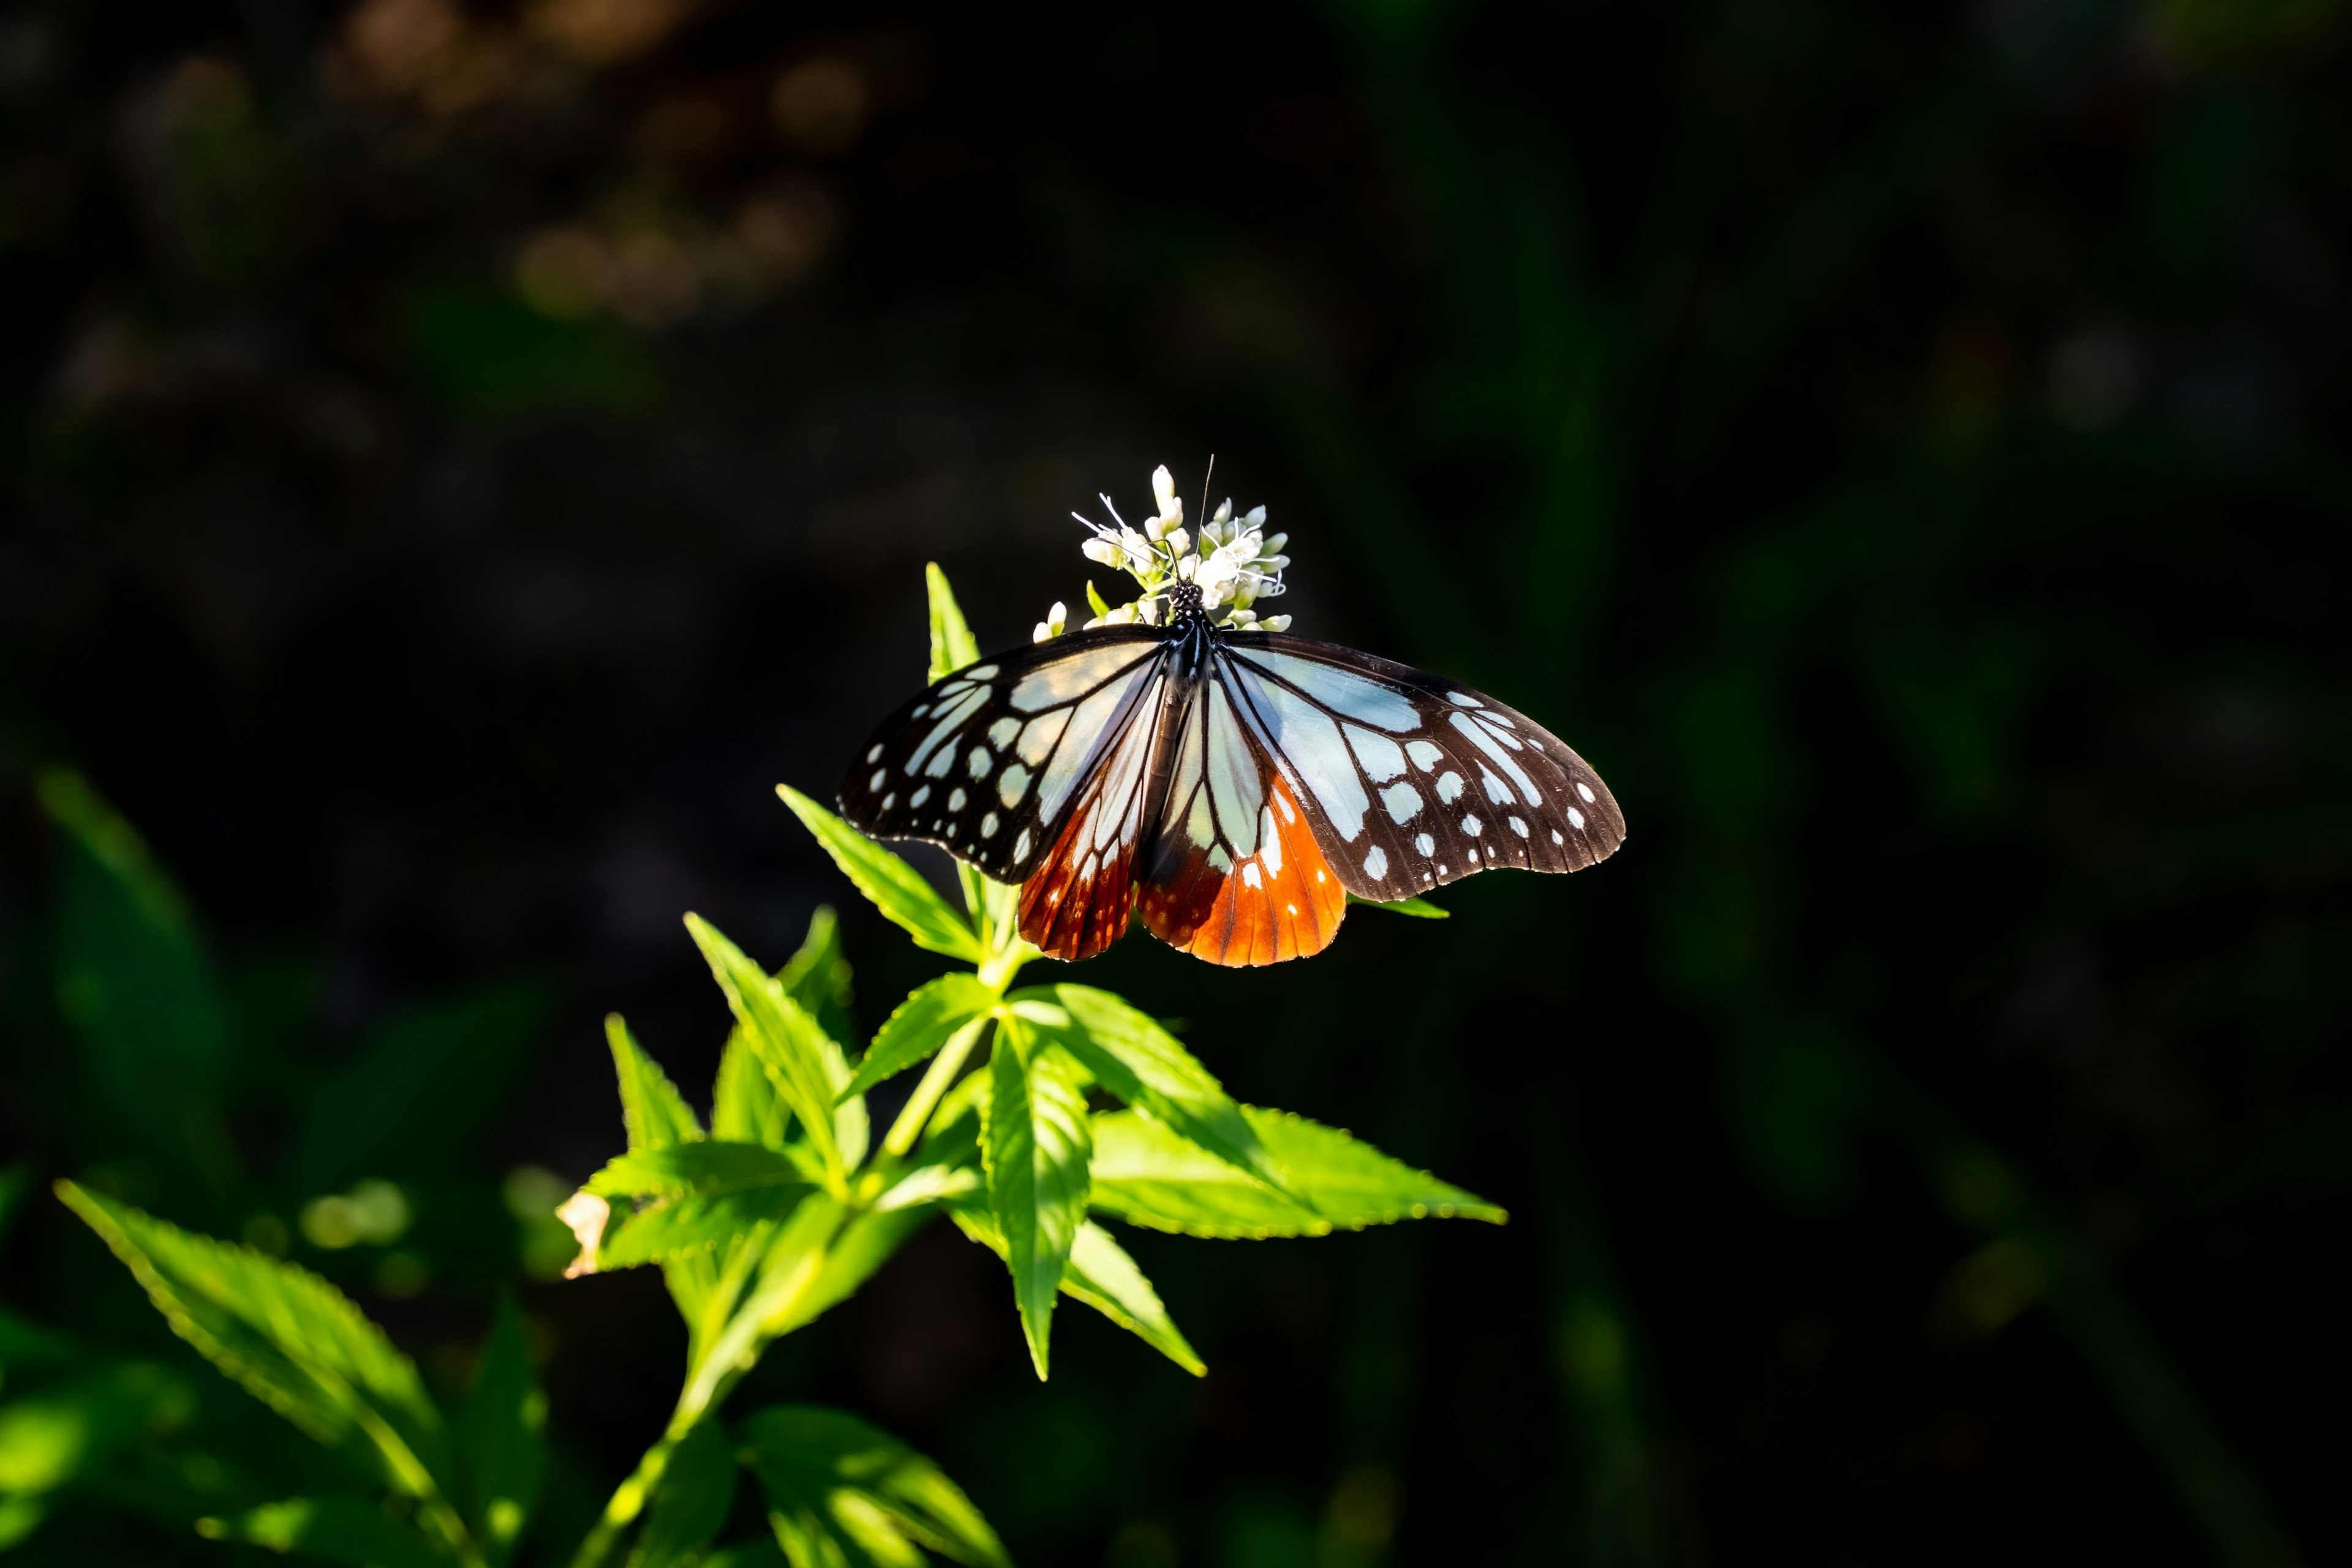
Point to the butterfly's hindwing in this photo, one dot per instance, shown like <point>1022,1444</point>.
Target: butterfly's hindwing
<point>1414,782</point>
<point>1234,874</point>
<point>1077,900</point>
<point>986,762</point>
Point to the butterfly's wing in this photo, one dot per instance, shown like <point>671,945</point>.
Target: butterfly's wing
<point>1409,781</point>
<point>988,763</point>
<point>1234,874</point>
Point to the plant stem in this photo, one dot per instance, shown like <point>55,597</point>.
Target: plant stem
<point>936,1079</point>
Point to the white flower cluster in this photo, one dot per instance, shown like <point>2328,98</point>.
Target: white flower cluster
<point>1231,561</point>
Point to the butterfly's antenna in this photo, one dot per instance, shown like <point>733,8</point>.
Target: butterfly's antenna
<point>1205,480</point>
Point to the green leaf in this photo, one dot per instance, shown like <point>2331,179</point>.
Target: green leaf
<point>1036,1143</point>
<point>1100,1274</point>
<point>864,1245</point>
<point>697,1490</point>
<point>1146,1174</point>
<point>1141,1063</point>
<point>817,977</point>
<point>953,645</point>
<point>749,1554</point>
<point>744,1107</point>
<point>841,1493</point>
<point>1420,909</point>
<point>652,1109</point>
<point>136,981</point>
<point>700,1169</point>
<point>420,1090</point>
<point>922,1026</point>
<point>805,1065</point>
<point>694,1225</point>
<point>293,1340</point>
<point>355,1530</point>
<point>894,888</point>
<point>498,1436</point>
<point>70,1430</point>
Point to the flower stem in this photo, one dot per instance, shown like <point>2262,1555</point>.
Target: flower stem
<point>936,1079</point>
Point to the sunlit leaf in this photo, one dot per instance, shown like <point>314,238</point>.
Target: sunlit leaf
<point>697,1490</point>
<point>1100,1274</point>
<point>652,1109</point>
<point>805,1065</point>
<point>864,1245</point>
<point>1141,1063</point>
<point>922,1026</point>
<point>292,1339</point>
<point>841,1493</point>
<point>817,977</point>
<point>1420,909</point>
<point>348,1529</point>
<point>952,643</point>
<point>498,1436</point>
<point>1034,1140</point>
<point>698,1224</point>
<point>1144,1173</point>
<point>744,1105</point>
<point>894,888</point>
<point>700,1168</point>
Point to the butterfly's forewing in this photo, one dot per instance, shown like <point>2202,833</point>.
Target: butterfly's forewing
<point>1413,782</point>
<point>987,762</point>
<point>1077,900</point>
<point>1234,874</point>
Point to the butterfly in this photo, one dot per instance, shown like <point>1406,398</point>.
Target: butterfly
<point>1232,786</point>
<point>1229,784</point>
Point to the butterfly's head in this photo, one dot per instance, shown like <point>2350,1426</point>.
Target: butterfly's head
<point>1185,604</point>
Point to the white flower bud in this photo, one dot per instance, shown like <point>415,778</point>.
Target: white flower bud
<point>1102,550</point>
<point>1178,541</point>
<point>1273,542</point>
<point>1225,510</point>
<point>1148,611</point>
<point>1255,516</point>
<point>1274,624</point>
<point>1051,627</point>
<point>1163,489</point>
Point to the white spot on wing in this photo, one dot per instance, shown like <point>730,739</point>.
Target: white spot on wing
<point>1401,800</point>
<point>1012,784</point>
<point>1424,755</point>
<point>874,753</point>
<point>1585,790</point>
<point>876,782</point>
<point>1001,733</point>
<point>1518,827</point>
<point>1425,843</point>
<point>956,797</point>
<point>891,800</point>
<point>1060,680</point>
<point>1449,787</point>
<point>941,761</point>
<point>1271,851</point>
<point>1249,875</point>
<point>1463,699</point>
<point>1502,759</point>
<point>1576,819</point>
<point>1383,758</point>
<point>980,672</point>
<point>1376,864</point>
<point>988,826</point>
<point>919,797</point>
<point>1038,739</point>
<point>1021,846</point>
<point>1496,790</point>
<point>951,715</point>
<point>979,762</point>
<point>1470,825</point>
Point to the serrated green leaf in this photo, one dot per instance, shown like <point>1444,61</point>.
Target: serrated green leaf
<point>135,980</point>
<point>952,643</point>
<point>1146,1174</point>
<point>293,1340</point>
<point>842,1493</point>
<point>696,1225</point>
<point>818,976</point>
<point>892,886</point>
<point>1141,1063</point>
<point>744,1106</point>
<point>1100,1274</point>
<point>701,1169</point>
<point>805,1065</point>
<point>349,1530</point>
<point>652,1109</point>
<point>922,1024</point>
<point>698,1487</point>
<point>497,1438</point>
<point>420,1089</point>
<point>1036,1143</point>
<point>1418,908</point>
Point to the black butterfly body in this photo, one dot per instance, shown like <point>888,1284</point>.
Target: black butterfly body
<point>1238,783</point>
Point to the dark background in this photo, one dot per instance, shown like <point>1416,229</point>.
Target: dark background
<point>459,458</point>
